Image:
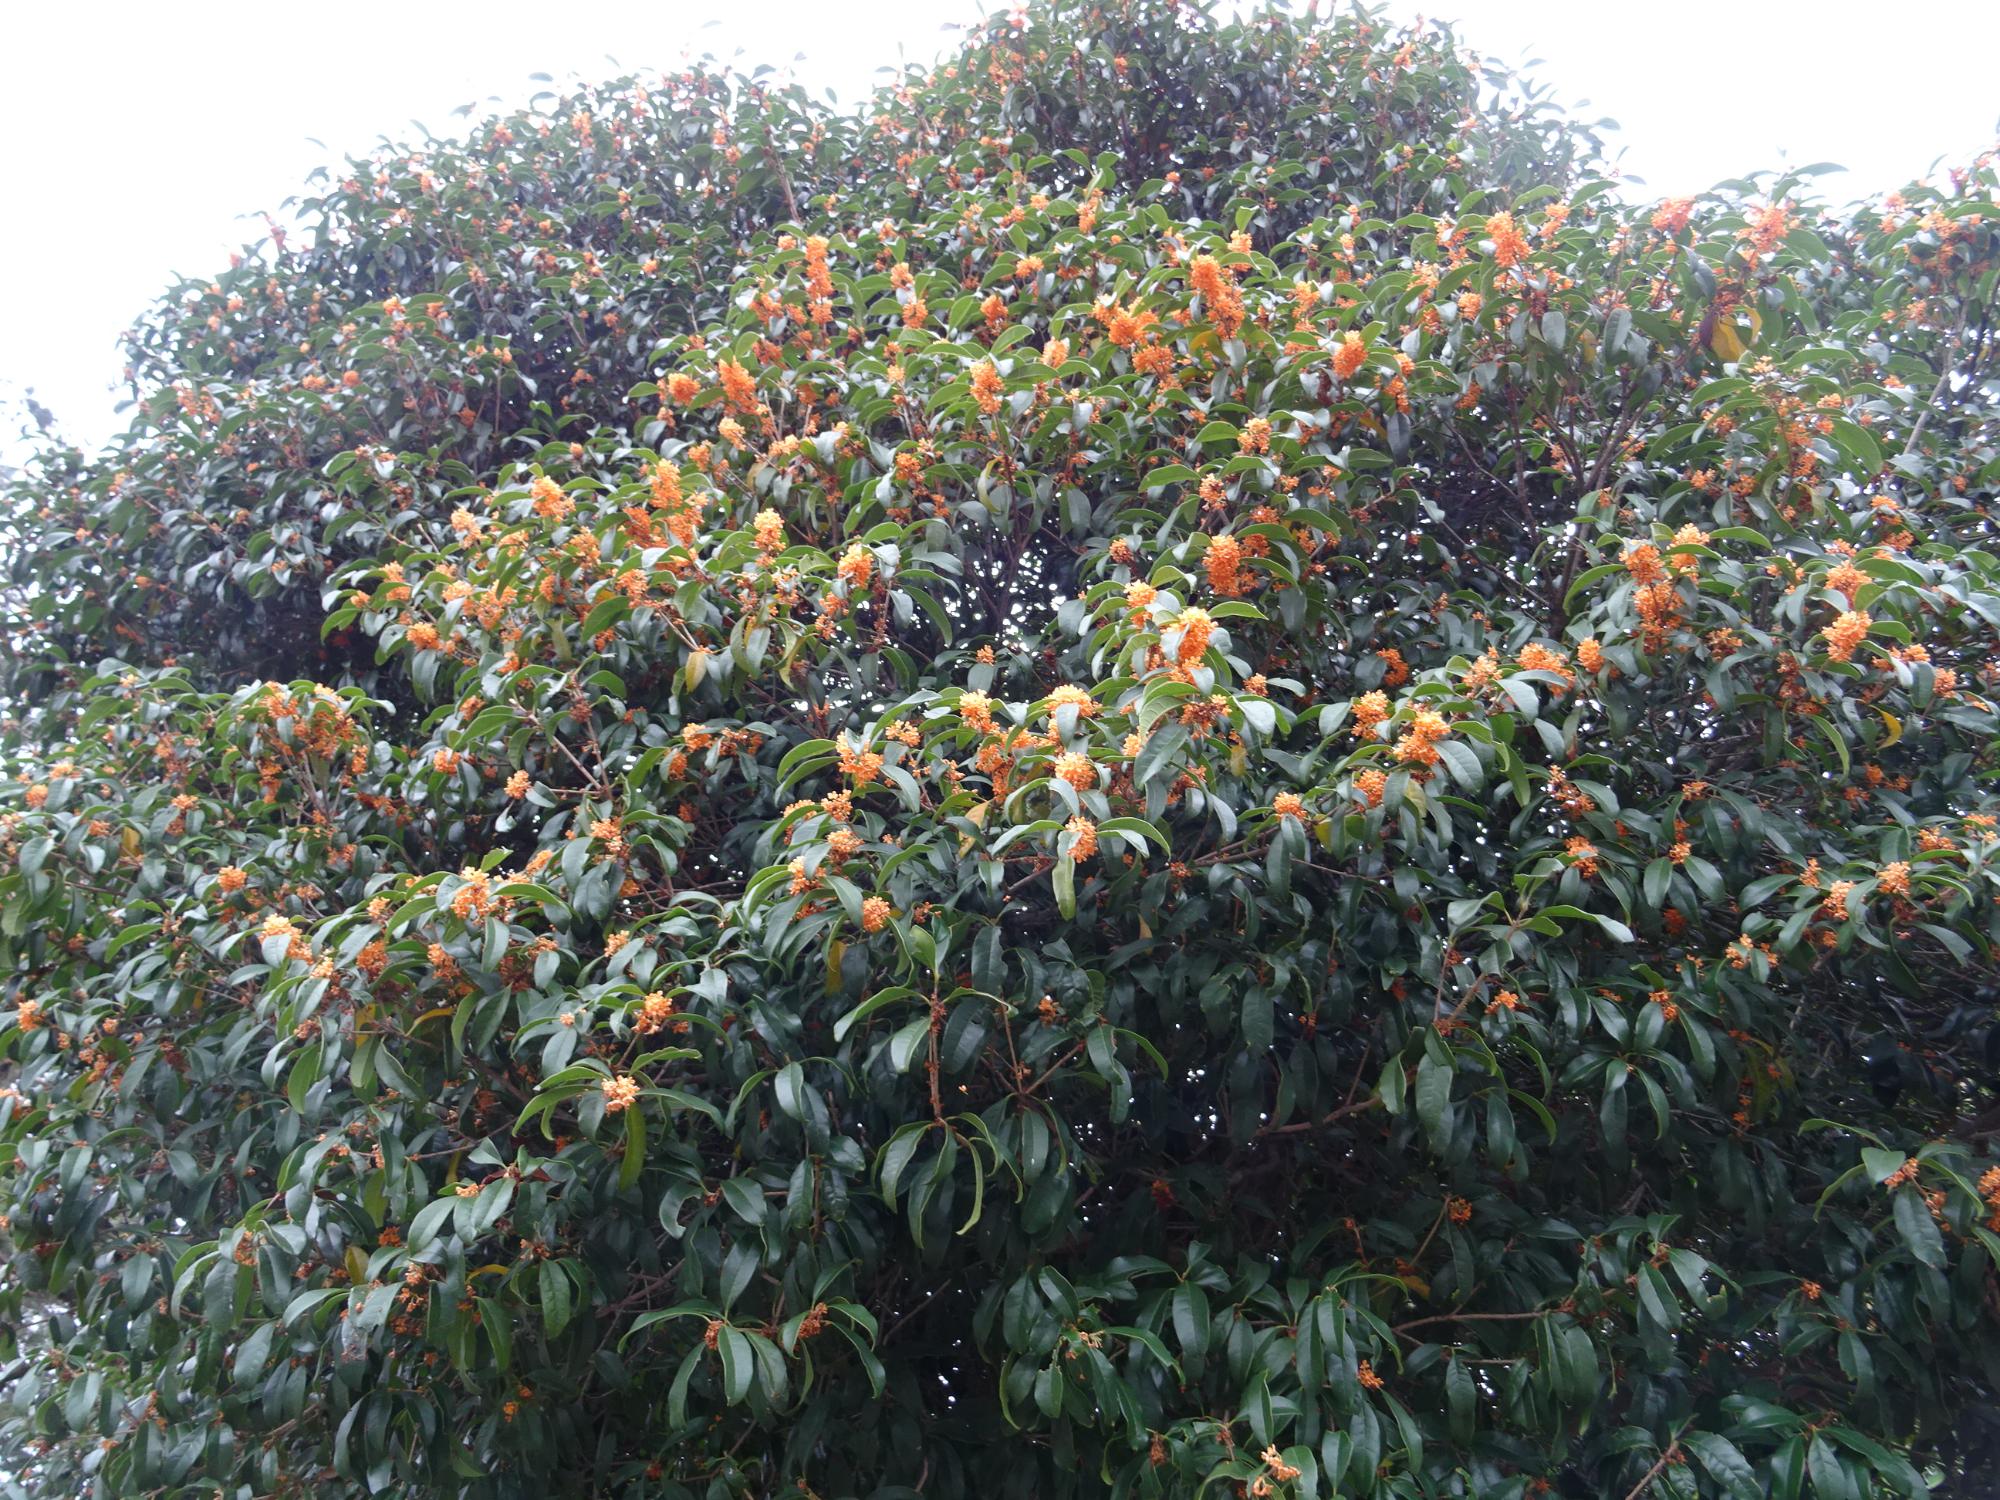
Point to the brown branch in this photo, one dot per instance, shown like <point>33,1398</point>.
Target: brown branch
<point>1358,1106</point>
<point>1513,1317</point>
<point>1673,1452</point>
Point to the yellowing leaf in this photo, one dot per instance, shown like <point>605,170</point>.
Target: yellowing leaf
<point>1728,339</point>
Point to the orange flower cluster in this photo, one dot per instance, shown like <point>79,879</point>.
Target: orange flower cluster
<point>682,510</point>
<point>988,387</point>
<point>1846,633</point>
<point>857,566</point>
<point>1083,838</point>
<point>739,387</point>
<point>1369,786</point>
<point>1989,1193</point>
<point>1224,564</point>
<point>1419,743</point>
<point>1079,770</point>
<point>770,532</point>
<point>1123,326</point>
<point>1350,356</point>
<point>1659,607</point>
<point>1535,657</point>
<point>1196,628</point>
<point>1672,216</point>
<point>620,1093</point>
<point>1370,709</point>
<point>1689,535</point>
<point>977,710</point>
<point>1642,561</point>
<point>1225,303</point>
<point>1069,695</point>
<point>1280,1471</point>
<point>550,502</point>
<point>1510,246</point>
<point>863,765</point>
<point>1845,578</point>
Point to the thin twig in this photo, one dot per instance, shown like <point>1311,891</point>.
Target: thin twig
<point>1673,1452</point>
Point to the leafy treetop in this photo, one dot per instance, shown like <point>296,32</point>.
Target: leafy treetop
<point>1168,768</point>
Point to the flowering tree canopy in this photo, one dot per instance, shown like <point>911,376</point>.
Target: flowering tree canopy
<point>1171,767</point>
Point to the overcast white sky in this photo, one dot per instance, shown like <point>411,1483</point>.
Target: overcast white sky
<point>143,136</point>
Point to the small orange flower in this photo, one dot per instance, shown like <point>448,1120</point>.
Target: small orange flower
<point>1510,246</point>
<point>1370,709</point>
<point>1069,695</point>
<point>988,387</point>
<point>1642,561</point>
<point>1196,627</point>
<point>1080,771</point>
<point>1846,633</point>
<point>1224,562</point>
<point>1083,838</point>
<point>857,566</point>
<point>1350,356</point>
<point>739,386</point>
<point>619,1093</point>
<point>770,532</point>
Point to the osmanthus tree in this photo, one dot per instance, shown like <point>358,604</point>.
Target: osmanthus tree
<point>1168,768</point>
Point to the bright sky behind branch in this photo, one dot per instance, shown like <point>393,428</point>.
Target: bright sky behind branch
<point>146,138</point>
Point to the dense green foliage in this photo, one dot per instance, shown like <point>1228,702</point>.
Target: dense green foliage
<point>1169,767</point>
